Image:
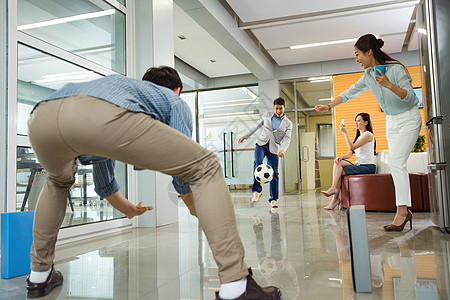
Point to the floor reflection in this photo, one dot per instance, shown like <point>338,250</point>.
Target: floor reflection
<point>274,266</point>
<point>299,247</point>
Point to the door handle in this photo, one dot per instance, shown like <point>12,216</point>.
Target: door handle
<point>232,154</point>
<point>305,151</point>
<point>225,154</point>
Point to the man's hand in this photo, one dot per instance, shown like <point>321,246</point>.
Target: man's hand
<point>241,140</point>
<point>281,153</point>
<point>119,202</point>
<point>138,210</point>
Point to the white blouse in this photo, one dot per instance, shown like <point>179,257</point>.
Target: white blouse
<point>365,154</point>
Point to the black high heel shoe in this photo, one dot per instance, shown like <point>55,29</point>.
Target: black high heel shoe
<point>393,227</point>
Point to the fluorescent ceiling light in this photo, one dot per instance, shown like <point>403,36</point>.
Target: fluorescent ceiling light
<point>422,31</point>
<point>228,114</point>
<point>325,99</point>
<point>319,79</point>
<point>72,76</point>
<point>233,105</point>
<point>243,117</point>
<point>249,92</point>
<point>326,43</point>
<point>228,101</point>
<point>97,14</point>
<point>323,43</point>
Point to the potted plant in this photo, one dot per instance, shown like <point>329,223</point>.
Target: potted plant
<point>420,144</point>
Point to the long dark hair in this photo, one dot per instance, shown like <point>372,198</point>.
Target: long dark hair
<point>366,118</point>
<point>370,42</point>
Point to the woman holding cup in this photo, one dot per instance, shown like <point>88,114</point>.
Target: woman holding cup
<point>394,93</point>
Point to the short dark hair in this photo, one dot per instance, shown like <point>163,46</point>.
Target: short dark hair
<point>279,101</point>
<point>164,76</point>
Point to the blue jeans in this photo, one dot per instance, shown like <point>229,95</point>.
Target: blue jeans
<point>272,160</point>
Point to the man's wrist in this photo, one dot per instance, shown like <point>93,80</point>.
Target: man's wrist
<point>329,107</point>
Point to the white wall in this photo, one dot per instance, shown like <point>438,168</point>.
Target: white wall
<point>3,97</point>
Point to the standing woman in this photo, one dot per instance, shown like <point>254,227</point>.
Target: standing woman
<point>394,93</point>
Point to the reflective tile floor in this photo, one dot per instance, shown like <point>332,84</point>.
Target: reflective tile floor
<point>299,247</point>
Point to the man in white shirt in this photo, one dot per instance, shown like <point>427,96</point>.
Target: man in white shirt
<point>272,143</point>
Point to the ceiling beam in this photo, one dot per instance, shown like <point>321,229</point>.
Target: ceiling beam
<point>218,22</point>
<point>193,78</point>
<point>326,14</point>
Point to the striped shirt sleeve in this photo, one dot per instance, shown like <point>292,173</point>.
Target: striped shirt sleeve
<point>104,179</point>
<point>181,120</point>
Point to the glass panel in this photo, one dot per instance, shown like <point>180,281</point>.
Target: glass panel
<point>190,100</point>
<point>39,75</point>
<point>325,137</point>
<point>84,205</point>
<point>224,117</point>
<point>290,161</point>
<point>288,94</point>
<point>122,2</point>
<point>92,29</point>
<point>311,93</point>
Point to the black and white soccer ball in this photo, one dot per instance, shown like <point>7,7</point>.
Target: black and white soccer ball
<point>264,173</point>
<point>267,265</point>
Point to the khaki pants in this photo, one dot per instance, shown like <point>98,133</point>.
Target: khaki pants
<point>60,130</point>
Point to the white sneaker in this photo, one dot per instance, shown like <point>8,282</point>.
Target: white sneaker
<point>274,203</point>
<point>256,196</point>
<point>257,220</point>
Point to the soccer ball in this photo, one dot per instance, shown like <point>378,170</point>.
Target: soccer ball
<point>264,173</point>
<point>267,265</point>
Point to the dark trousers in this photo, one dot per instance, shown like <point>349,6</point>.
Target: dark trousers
<point>272,160</point>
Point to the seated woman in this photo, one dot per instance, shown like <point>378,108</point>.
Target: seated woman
<point>364,148</point>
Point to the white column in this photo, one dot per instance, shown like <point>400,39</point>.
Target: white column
<point>154,46</point>
<point>3,106</point>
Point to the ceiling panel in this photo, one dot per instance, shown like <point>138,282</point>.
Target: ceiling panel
<point>390,20</point>
<point>381,23</point>
<point>269,9</point>
<point>199,48</point>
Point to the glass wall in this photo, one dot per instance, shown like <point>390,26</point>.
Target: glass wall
<point>40,74</point>
<point>60,42</point>
<point>224,116</point>
<point>309,160</point>
<point>92,29</point>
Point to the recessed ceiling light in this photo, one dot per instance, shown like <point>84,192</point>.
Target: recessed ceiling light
<point>212,60</point>
<point>182,37</point>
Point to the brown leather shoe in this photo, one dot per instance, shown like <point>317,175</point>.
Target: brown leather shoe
<point>254,291</point>
<point>36,290</point>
